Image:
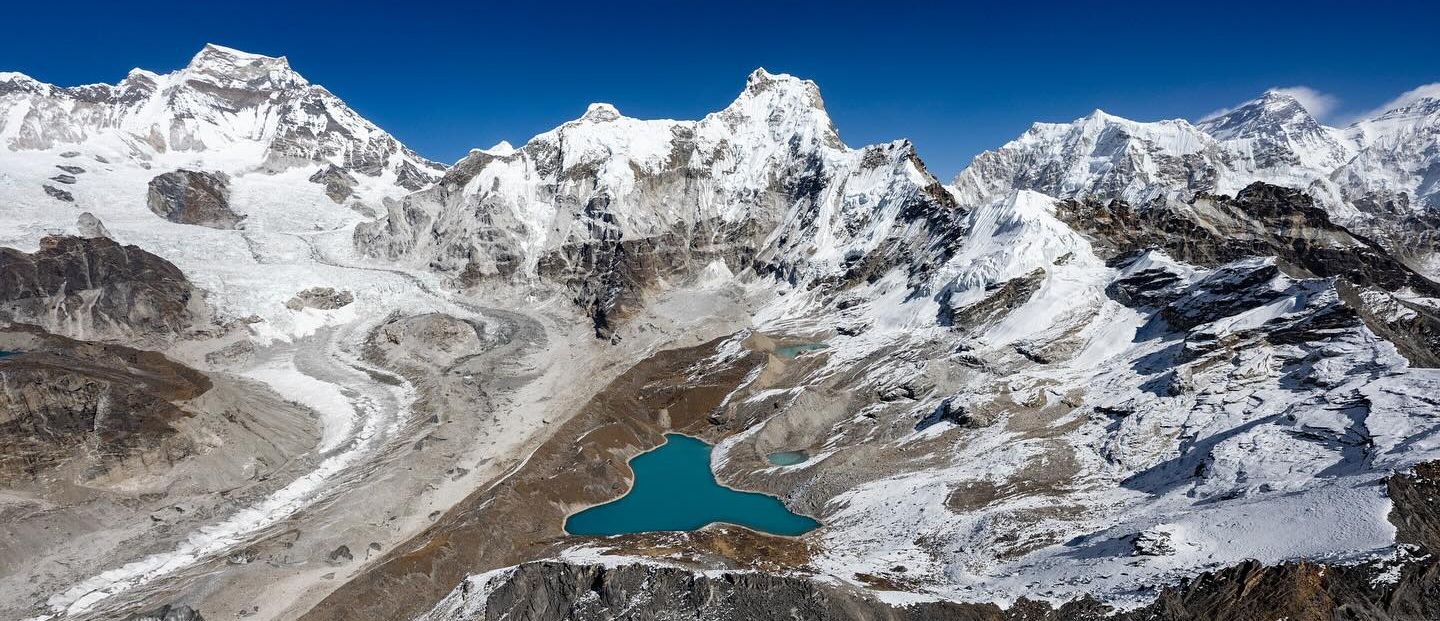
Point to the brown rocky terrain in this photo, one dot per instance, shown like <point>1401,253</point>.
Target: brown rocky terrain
<point>89,405</point>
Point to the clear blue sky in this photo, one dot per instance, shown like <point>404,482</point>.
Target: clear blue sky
<point>954,78</point>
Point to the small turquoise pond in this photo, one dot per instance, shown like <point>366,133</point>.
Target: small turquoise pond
<point>675,490</point>
<point>791,351</point>
<point>787,458</point>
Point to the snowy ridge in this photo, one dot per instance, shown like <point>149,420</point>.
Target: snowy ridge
<point>1271,139</point>
<point>227,110</point>
<point>764,185</point>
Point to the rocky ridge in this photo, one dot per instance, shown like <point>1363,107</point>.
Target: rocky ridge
<point>96,288</point>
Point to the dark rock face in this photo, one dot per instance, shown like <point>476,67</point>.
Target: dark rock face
<point>552,590</point>
<point>323,298</point>
<point>410,177</point>
<point>1263,220</point>
<point>1150,287</point>
<point>169,612</point>
<point>63,400</point>
<point>999,299</point>
<point>193,197</point>
<point>58,194</point>
<point>339,184</point>
<point>96,288</point>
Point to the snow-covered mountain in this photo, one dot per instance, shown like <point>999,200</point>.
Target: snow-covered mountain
<point>1271,139</point>
<point>609,205</point>
<point>228,111</point>
<point>1399,158</point>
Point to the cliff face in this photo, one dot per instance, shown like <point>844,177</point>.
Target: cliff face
<point>95,288</point>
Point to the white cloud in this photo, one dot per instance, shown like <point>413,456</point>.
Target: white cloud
<point>1406,98</point>
<point>1318,104</point>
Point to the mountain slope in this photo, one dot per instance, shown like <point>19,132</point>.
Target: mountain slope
<point>607,206</point>
<point>227,110</point>
<point>1378,175</point>
<point>1105,362</point>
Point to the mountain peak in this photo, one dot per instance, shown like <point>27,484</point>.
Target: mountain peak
<point>761,81</point>
<point>1274,111</point>
<point>601,112</point>
<point>233,68</point>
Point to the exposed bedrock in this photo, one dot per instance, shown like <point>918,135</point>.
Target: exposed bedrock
<point>339,183</point>
<point>193,197</point>
<point>322,298</point>
<point>96,289</point>
<point>63,400</point>
<point>1262,220</point>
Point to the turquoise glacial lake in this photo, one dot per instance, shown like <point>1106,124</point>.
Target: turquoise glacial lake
<point>791,351</point>
<point>675,490</point>
<point>787,458</point>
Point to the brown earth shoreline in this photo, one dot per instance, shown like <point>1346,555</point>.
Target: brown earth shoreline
<point>584,463</point>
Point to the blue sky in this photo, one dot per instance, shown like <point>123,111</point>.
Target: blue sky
<point>954,78</point>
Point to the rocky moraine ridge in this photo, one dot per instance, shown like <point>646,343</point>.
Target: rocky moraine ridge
<point>273,364</point>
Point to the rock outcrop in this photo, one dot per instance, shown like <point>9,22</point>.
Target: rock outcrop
<point>93,404</point>
<point>339,184</point>
<point>1263,220</point>
<point>90,226</point>
<point>193,197</point>
<point>322,298</point>
<point>94,288</point>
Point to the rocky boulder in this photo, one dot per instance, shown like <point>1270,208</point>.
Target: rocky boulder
<point>58,194</point>
<point>322,298</point>
<point>91,226</point>
<point>193,197</point>
<point>339,184</point>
